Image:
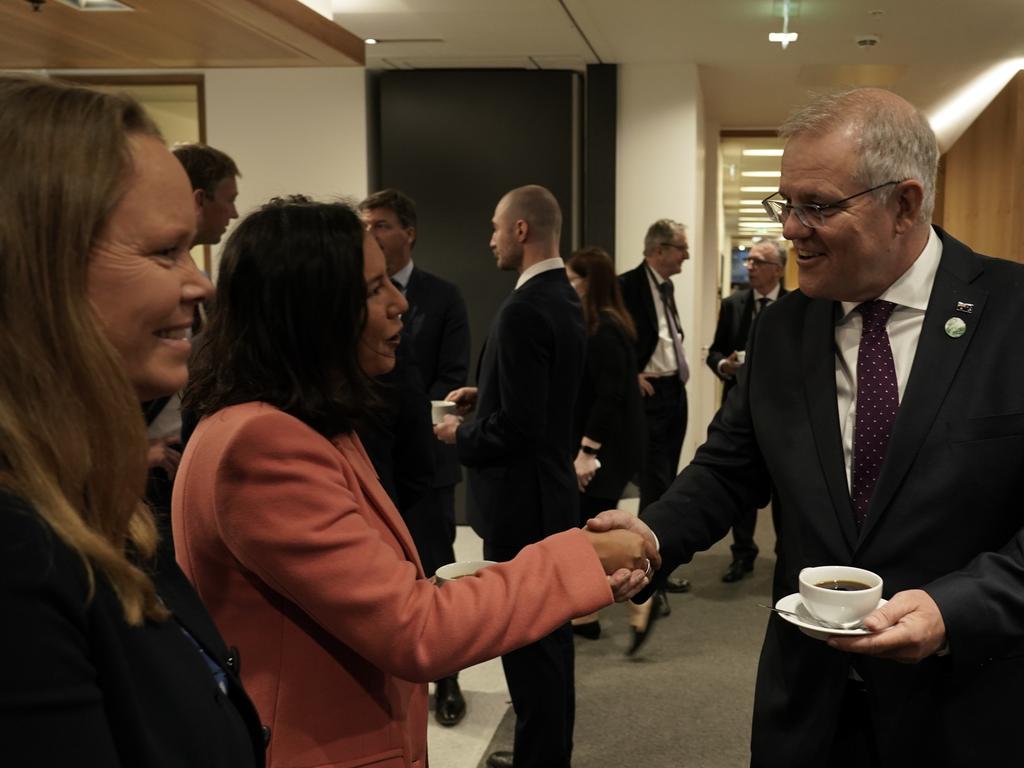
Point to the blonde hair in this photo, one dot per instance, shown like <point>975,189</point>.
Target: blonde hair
<point>72,436</point>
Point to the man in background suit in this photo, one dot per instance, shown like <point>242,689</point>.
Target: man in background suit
<point>882,404</point>
<point>648,293</point>
<point>212,174</point>
<point>436,327</point>
<point>519,450</point>
<point>765,263</point>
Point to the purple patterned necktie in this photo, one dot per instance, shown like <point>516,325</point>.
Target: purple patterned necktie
<point>877,400</point>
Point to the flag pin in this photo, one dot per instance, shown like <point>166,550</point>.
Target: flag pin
<point>963,306</point>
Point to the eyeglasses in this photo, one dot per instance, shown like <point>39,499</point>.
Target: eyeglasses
<point>750,261</point>
<point>684,247</point>
<point>811,215</point>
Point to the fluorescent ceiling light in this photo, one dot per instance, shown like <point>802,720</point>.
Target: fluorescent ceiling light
<point>750,202</point>
<point>759,189</point>
<point>783,37</point>
<point>96,5</point>
<point>370,41</point>
<point>751,210</point>
<point>762,174</point>
<point>762,152</point>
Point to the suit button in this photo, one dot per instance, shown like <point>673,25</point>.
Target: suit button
<point>266,735</point>
<point>232,661</point>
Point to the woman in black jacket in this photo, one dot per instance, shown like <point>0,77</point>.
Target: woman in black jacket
<point>609,411</point>
<point>105,658</point>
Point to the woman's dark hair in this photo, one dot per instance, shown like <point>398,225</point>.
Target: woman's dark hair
<point>290,306</point>
<point>603,296</point>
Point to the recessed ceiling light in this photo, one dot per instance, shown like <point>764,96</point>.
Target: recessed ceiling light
<point>759,189</point>
<point>750,202</point>
<point>783,37</point>
<point>762,152</point>
<point>370,41</point>
<point>762,174</point>
<point>751,210</point>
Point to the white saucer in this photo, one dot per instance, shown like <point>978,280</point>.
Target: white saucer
<point>806,623</point>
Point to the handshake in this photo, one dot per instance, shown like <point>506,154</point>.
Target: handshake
<point>628,551</point>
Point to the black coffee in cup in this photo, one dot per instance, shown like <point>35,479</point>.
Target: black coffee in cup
<point>842,585</point>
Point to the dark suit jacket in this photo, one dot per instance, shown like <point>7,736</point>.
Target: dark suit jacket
<point>636,293</point>
<point>609,409</point>
<point>946,517</point>
<point>437,327</point>
<point>734,319</point>
<point>79,686</point>
<point>519,448</point>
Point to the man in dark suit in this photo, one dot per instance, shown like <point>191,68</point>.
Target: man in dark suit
<point>436,328</point>
<point>519,450</point>
<point>882,402</point>
<point>663,371</point>
<point>765,263</point>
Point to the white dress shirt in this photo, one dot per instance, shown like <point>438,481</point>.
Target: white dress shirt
<point>663,358</point>
<point>541,266</point>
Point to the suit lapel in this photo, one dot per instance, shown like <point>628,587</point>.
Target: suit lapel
<point>819,377</point>
<point>746,310</point>
<point>936,362</point>
<point>349,446</point>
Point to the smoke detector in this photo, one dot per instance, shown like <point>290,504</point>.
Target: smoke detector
<point>867,41</point>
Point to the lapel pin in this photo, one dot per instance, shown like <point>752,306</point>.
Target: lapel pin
<point>963,306</point>
<point>955,328</point>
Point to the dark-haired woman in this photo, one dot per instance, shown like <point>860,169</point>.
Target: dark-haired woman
<point>609,412</point>
<point>281,523</point>
<point>105,660</point>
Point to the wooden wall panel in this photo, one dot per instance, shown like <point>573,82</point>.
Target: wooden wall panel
<point>983,187</point>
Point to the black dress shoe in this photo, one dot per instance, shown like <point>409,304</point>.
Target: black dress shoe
<point>737,570</point>
<point>675,584</point>
<point>449,705</point>
<point>589,629</point>
<point>499,760</point>
<point>661,606</point>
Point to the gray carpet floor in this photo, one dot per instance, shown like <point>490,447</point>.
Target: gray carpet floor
<point>685,699</point>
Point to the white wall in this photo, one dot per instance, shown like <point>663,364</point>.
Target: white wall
<point>660,174</point>
<point>296,130</point>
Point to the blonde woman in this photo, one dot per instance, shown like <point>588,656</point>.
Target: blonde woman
<point>102,663</point>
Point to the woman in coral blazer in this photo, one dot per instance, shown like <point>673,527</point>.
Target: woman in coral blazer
<point>281,523</point>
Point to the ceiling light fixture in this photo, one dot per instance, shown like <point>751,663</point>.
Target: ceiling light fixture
<point>759,189</point>
<point>96,5</point>
<point>785,37</point>
<point>762,152</point>
<point>762,174</point>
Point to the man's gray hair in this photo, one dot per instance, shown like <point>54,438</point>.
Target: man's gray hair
<point>661,231</point>
<point>770,247</point>
<point>896,141</point>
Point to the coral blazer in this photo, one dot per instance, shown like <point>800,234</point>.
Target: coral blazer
<point>307,567</point>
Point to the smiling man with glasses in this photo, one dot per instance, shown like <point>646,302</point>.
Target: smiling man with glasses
<point>883,406</point>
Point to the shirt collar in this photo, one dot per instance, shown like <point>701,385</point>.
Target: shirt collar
<point>914,287</point>
<point>403,274</point>
<point>541,266</point>
<point>772,295</point>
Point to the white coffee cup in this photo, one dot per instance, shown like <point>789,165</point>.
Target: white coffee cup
<point>454,571</point>
<point>741,356</point>
<point>439,409</point>
<point>824,596</point>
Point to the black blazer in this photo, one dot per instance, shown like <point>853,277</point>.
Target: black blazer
<point>734,319</point>
<point>79,686</point>
<point>519,448</point>
<point>946,517</point>
<point>437,329</point>
<point>609,409</point>
<point>636,293</point>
